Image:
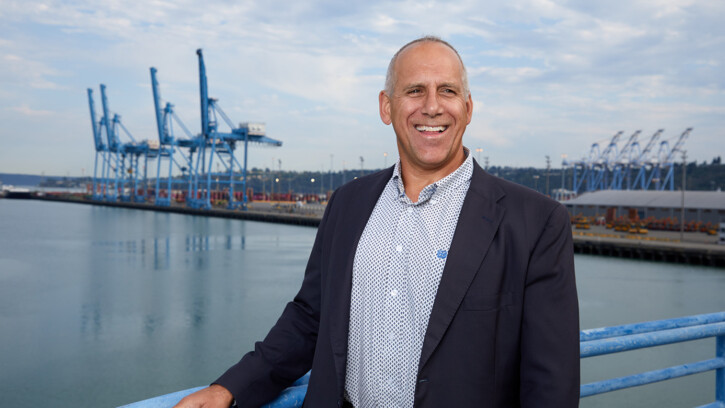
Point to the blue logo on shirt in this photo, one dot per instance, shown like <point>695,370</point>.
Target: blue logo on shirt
<point>442,253</point>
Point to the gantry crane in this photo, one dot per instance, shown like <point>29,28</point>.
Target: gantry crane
<point>666,159</point>
<point>642,162</point>
<point>622,162</point>
<point>101,149</point>
<point>210,146</point>
<point>592,173</point>
<point>221,145</point>
<point>117,177</point>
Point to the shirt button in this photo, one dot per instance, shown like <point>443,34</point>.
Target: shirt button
<point>399,248</point>
<point>391,336</point>
<point>394,293</point>
<point>410,210</point>
<point>434,201</point>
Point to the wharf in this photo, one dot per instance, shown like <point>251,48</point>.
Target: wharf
<point>697,248</point>
<point>296,218</point>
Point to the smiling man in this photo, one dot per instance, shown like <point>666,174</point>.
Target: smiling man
<point>431,283</point>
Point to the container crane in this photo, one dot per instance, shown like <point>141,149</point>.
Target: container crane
<point>642,161</point>
<point>169,143</point>
<point>622,162</point>
<point>126,179</point>
<point>221,145</point>
<point>666,160</point>
<point>592,169</point>
<point>601,166</point>
<point>101,148</point>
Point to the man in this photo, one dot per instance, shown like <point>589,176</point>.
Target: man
<point>431,284</point>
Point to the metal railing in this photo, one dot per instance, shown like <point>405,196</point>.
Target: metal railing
<point>608,340</point>
<point>593,342</point>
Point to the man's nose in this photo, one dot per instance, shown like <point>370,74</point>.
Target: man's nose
<point>432,106</point>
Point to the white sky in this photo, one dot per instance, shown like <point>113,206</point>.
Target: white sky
<point>547,78</point>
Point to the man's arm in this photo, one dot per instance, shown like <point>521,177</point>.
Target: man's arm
<point>550,327</point>
<point>214,396</point>
<point>286,352</point>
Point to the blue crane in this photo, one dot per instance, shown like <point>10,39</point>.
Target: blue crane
<point>666,158</point>
<point>169,143</point>
<point>642,161</point>
<point>101,148</point>
<point>221,145</point>
<point>622,162</point>
<point>592,169</point>
<point>602,164</point>
<point>125,178</point>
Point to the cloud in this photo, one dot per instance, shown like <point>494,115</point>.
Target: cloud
<point>20,71</point>
<point>546,75</point>
<point>27,111</point>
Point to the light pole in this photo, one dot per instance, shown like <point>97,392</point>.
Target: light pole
<point>478,157</point>
<point>548,166</point>
<point>332,156</point>
<point>385,160</point>
<point>682,202</point>
<point>536,182</point>
<point>563,171</point>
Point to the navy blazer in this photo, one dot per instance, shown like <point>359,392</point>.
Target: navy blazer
<point>504,328</point>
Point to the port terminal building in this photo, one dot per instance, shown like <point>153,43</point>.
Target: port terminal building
<point>700,206</point>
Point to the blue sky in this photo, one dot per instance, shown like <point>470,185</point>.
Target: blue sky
<point>547,77</point>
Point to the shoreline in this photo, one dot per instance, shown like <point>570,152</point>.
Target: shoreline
<point>650,248</point>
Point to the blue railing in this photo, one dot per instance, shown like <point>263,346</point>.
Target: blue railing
<point>593,342</point>
<point>608,340</point>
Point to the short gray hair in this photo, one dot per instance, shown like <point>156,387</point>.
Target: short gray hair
<point>390,76</point>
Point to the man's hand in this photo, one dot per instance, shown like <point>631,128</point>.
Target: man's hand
<point>214,396</point>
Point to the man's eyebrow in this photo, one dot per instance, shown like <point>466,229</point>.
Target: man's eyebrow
<point>452,85</point>
<point>412,86</point>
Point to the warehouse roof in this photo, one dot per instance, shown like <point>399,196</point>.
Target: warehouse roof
<point>711,200</point>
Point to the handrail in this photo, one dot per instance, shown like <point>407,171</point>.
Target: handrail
<point>593,342</point>
<point>607,340</point>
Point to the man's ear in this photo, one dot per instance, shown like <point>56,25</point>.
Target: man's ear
<point>469,108</point>
<point>384,107</point>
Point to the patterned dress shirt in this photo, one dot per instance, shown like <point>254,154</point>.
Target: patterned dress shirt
<point>398,266</point>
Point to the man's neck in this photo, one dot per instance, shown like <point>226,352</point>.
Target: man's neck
<point>416,179</point>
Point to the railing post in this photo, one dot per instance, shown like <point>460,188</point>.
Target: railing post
<point>720,372</point>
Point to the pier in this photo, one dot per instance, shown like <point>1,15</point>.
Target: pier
<point>657,246</point>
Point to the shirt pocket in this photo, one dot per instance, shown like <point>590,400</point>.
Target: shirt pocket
<point>483,302</point>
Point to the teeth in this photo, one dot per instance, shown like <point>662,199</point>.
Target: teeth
<point>430,128</point>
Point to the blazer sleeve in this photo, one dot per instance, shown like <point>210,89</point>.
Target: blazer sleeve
<point>550,326</point>
<point>287,351</point>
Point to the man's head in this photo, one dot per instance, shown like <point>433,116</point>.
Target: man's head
<point>429,106</point>
<point>390,77</point>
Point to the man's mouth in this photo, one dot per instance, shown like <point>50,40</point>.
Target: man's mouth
<point>422,128</point>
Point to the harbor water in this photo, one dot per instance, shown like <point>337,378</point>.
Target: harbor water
<point>104,306</point>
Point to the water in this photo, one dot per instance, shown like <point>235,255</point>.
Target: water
<point>105,306</point>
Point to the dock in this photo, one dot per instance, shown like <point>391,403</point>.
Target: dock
<point>697,249</point>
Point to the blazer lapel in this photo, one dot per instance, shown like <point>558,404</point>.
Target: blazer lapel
<point>352,219</point>
<point>477,224</point>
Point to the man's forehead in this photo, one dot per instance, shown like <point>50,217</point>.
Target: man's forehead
<point>418,61</point>
<point>428,47</point>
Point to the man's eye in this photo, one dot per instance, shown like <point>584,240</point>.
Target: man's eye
<point>414,91</point>
<point>449,91</point>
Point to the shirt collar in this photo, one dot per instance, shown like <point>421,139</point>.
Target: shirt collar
<point>441,187</point>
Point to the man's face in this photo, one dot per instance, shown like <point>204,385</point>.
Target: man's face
<point>428,108</point>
